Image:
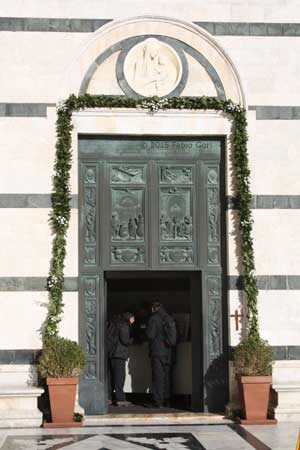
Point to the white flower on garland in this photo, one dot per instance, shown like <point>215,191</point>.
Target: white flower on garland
<point>62,220</point>
<point>61,105</point>
<point>233,107</point>
<point>155,105</point>
<point>52,281</point>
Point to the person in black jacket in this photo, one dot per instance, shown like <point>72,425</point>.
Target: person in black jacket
<point>161,356</point>
<point>118,358</point>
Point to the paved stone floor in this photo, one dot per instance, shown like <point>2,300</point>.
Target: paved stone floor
<point>186,437</point>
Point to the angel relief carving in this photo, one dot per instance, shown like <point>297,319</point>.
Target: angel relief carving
<point>125,174</point>
<point>176,175</point>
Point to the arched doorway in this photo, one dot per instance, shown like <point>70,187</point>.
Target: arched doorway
<point>196,142</point>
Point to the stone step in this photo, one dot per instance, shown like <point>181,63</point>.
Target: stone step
<point>184,418</point>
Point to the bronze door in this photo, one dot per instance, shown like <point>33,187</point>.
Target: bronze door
<point>153,203</point>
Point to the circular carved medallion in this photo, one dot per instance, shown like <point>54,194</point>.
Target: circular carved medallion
<point>152,67</point>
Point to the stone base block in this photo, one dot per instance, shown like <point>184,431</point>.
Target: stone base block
<point>286,382</point>
<point>288,409</point>
<point>18,407</point>
<point>288,416</point>
<point>21,418</point>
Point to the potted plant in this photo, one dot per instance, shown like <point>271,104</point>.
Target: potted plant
<point>252,362</point>
<point>60,363</point>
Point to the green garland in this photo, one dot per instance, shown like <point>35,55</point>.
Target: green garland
<point>60,216</point>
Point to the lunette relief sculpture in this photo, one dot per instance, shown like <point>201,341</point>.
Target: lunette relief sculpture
<point>152,68</point>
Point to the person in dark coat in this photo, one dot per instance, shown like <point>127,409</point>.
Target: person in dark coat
<point>117,360</point>
<point>161,356</point>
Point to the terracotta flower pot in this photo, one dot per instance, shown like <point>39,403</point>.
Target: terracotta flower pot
<point>62,393</point>
<point>254,395</point>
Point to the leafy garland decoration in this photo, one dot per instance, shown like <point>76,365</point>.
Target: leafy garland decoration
<point>60,215</point>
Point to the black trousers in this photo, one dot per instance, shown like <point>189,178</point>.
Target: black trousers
<point>161,379</point>
<point>116,379</point>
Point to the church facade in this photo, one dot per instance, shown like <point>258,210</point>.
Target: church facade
<point>153,193</point>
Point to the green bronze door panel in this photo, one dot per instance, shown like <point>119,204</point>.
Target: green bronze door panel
<point>125,225</point>
<point>177,219</point>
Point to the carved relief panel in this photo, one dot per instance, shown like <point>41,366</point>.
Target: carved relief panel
<point>90,289</point>
<point>176,221</point>
<point>90,180</point>
<point>127,255</point>
<point>213,213</point>
<point>128,211</point>
<point>214,316</point>
<point>176,255</point>
<point>133,174</point>
<point>176,174</point>
<point>214,282</point>
<point>127,226</point>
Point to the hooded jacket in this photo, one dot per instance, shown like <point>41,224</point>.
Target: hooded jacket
<point>124,340</point>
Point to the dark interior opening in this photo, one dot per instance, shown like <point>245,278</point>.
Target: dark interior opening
<point>134,292</point>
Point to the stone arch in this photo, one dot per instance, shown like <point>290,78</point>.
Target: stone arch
<point>120,34</point>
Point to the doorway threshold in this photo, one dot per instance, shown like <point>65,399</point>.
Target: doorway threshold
<point>179,418</point>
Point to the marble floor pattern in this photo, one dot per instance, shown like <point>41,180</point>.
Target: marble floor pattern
<point>166,437</point>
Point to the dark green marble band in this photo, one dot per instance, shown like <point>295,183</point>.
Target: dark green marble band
<point>51,25</point>
<point>24,284</point>
<point>30,201</point>
<point>267,282</point>
<point>276,112</point>
<point>64,25</point>
<point>280,352</point>
<point>268,202</point>
<point>24,109</point>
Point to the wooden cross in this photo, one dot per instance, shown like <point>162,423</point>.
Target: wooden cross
<point>236,315</point>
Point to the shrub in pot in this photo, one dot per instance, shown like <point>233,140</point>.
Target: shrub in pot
<point>60,363</point>
<point>252,362</point>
